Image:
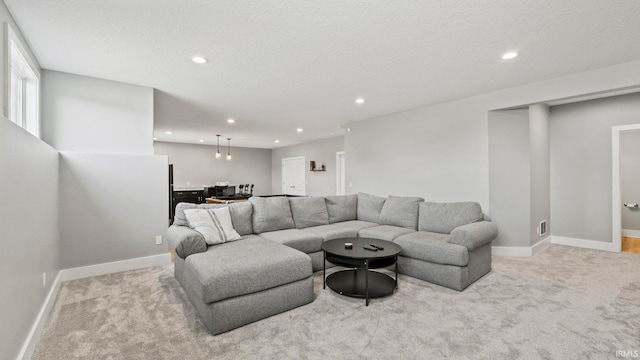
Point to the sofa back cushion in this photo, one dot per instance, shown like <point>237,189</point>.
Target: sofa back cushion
<point>444,217</point>
<point>369,207</point>
<point>271,214</point>
<point>241,215</point>
<point>401,211</point>
<point>308,211</point>
<point>342,207</point>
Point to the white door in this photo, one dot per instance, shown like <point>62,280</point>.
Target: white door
<point>617,184</point>
<point>340,176</point>
<point>293,181</point>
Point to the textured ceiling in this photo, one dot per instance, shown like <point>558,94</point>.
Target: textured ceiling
<point>276,65</point>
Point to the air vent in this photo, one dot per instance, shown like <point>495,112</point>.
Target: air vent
<point>542,228</point>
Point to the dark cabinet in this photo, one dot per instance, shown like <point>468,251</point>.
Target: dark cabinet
<point>196,196</point>
<point>189,196</point>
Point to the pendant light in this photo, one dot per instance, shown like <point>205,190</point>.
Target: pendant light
<point>228,148</point>
<point>218,155</point>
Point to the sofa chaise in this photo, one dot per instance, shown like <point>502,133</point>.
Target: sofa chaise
<point>269,269</point>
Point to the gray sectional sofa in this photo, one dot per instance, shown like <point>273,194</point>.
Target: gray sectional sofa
<point>270,270</point>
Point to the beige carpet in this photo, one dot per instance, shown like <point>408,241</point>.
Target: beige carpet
<point>564,303</point>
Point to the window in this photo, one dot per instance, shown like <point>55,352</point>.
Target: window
<point>23,103</point>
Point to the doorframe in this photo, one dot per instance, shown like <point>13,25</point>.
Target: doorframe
<point>338,173</point>
<point>304,175</point>
<point>616,191</point>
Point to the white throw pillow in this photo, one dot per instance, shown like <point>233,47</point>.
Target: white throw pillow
<point>214,224</point>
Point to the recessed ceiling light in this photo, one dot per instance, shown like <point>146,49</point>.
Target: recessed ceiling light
<point>277,141</point>
<point>300,130</point>
<point>360,101</point>
<point>231,121</point>
<point>510,55</point>
<point>201,140</point>
<point>339,126</point>
<point>168,133</point>
<point>199,60</point>
<point>155,138</point>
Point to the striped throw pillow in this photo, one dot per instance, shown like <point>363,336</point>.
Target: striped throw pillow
<point>214,224</point>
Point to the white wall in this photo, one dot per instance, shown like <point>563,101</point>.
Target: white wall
<point>196,165</point>
<point>519,174</point>
<point>440,152</point>
<point>107,116</point>
<point>113,190</point>
<point>540,170</point>
<point>581,164</point>
<point>28,219</point>
<point>29,223</point>
<point>318,183</point>
<point>630,177</point>
<point>112,206</point>
<point>509,167</point>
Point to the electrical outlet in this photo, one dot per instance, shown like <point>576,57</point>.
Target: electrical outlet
<point>159,240</point>
<point>44,280</point>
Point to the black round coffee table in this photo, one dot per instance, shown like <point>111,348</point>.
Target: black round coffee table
<point>359,281</point>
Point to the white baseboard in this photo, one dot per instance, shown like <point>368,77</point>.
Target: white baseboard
<point>631,233</point>
<point>540,245</point>
<point>79,273</point>
<point>582,243</point>
<point>38,325</point>
<point>114,267</point>
<point>520,250</point>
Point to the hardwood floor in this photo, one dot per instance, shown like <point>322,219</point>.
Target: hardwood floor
<point>631,245</point>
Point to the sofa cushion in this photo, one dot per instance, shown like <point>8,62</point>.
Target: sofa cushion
<point>214,225</point>
<point>271,214</point>
<point>444,217</point>
<point>333,231</point>
<point>244,267</point>
<point>384,232</point>
<point>401,211</point>
<point>308,211</point>
<point>301,240</point>
<point>342,207</point>
<point>241,215</point>
<point>369,207</point>
<point>432,247</point>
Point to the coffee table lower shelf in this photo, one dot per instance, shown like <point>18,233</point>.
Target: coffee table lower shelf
<point>352,283</point>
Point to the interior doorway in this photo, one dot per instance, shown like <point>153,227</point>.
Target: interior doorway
<point>340,174</point>
<point>293,176</point>
<point>627,241</point>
